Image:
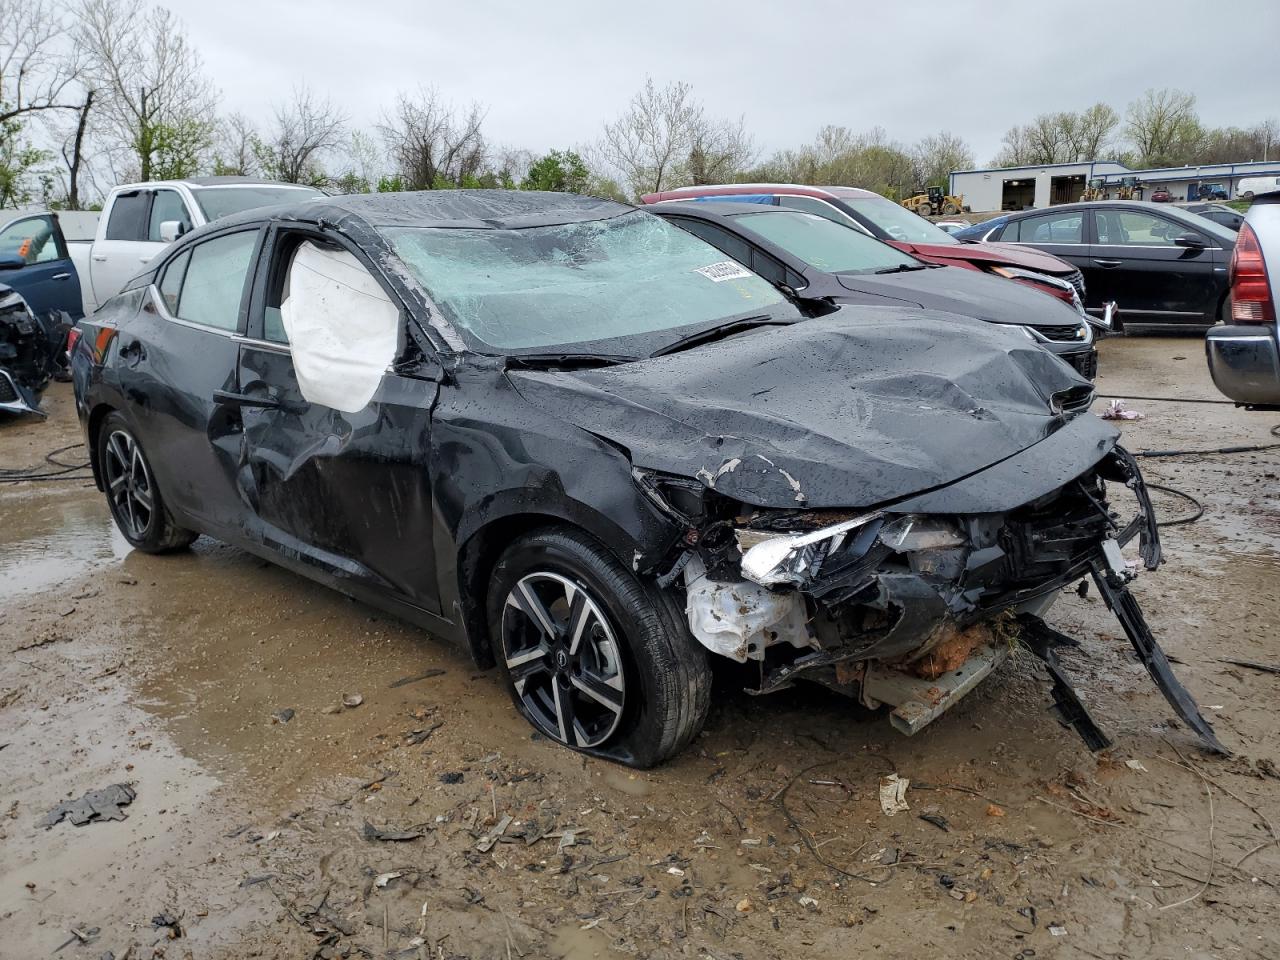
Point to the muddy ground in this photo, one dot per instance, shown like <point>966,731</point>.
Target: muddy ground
<point>765,839</point>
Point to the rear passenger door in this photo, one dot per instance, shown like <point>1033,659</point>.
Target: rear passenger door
<point>177,357</point>
<point>1152,278</point>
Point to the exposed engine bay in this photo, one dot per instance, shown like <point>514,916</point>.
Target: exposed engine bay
<point>913,609</point>
<point>29,349</point>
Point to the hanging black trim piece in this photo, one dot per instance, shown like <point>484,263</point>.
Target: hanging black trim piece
<point>1042,640</point>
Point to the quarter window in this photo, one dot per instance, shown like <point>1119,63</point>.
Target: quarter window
<point>171,281</point>
<point>128,217</point>
<point>819,207</point>
<point>1051,228</point>
<point>213,287</point>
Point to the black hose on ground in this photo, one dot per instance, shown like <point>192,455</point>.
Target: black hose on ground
<point>65,471</point>
<point>1179,521</point>
<point>1251,448</point>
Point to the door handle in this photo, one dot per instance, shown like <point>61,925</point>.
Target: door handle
<point>99,258</point>
<point>1108,263</point>
<point>61,276</point>
<point>230,399</point>
<point>146,258</point>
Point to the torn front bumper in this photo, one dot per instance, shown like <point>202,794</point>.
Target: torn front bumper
<point>914,610</point>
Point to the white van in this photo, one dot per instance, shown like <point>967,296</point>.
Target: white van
<point>1247,187</point>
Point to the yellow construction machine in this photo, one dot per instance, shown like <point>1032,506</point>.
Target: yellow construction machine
<point>934,201</point>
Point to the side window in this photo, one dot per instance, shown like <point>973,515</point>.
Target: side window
<point>719,238</point>
<point>128,216</point>
<point>166,205</point>
<point>1009,233</point>
<point>820,207</point>
<point>31,238</point>
<point>1133,228</point>
<point>1051,228</point>
<point>215,278</point>
<point>171,281</point>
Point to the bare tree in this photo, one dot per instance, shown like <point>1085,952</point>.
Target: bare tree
<point>665,138</point>
<point>306,128</point>
<point>73,151</point>
<point>1090,132</point>
<point>156,102</point>
<point>936,156</point>
<point>432,144</point>
<point>1164,128</point>
<point>234,143</point>
<point>37,72</point>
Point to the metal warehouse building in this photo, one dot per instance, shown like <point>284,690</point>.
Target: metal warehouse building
<point>1017,188</point>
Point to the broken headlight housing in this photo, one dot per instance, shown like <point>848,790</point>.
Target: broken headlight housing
<point>770,559</point>
<point>912,533</point>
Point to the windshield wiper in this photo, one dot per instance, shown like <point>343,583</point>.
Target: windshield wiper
<point>904,268</point>
<point>719,332</point>
<point>564,361</point>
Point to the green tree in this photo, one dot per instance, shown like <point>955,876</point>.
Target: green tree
<point>559,170</point>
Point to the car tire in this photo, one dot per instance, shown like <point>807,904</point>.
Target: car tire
<point>134,498</point>
<point>592,657</point>
<point>924,210</point>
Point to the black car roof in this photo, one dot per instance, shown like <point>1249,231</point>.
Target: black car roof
<point>471,209</point>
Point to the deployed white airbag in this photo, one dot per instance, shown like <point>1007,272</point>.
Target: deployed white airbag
<point>343,329</point>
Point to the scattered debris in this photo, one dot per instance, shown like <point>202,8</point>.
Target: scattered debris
<point>744,905</point>
<point>485,844</point>
<point>893,794</point>
<point>405,681</point>
<point>352,700</point>
<point>102,804</point>
<point>675,871</point>
<point>1056,930</point>
<point>1136,765</point>
<point>169,923</point>
<point>382,879</point>
<point>809,903</point>
<point>1116,411</point>
<point>994,811</point>
<point>370,832</point>
<point>283,716</point>
<point>87,935</point>
<point>452,776</point>
<point>937,820</point>
<point>419,736</point>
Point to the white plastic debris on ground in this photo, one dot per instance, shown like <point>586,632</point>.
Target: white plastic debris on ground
<point>343,329</point>
<point>893,794</point>
<point>1116,411</point>
<point>739,620</point>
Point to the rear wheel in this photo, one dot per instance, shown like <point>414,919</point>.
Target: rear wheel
<point>132,494</point>
<point>592,657</point>
<point>924,210</point>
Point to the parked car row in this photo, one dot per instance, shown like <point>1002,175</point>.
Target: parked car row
<point>598,451</point>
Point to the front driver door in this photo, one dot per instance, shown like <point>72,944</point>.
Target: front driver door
<point>48,282</point>
<point>1152,278</point>
<point>348,493</point>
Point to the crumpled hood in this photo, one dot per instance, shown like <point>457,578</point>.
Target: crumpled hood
<point>1014,255</point>
<point>966,292</point>
<point>864,406</point>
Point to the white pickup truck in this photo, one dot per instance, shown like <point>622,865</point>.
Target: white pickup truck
<point>139,219</point>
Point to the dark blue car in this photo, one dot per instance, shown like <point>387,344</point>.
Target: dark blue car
<point>39,302</point>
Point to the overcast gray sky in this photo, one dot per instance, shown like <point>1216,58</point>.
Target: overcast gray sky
<point>552,72</point>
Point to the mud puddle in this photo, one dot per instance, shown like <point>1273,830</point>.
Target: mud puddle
<point>50,537</point>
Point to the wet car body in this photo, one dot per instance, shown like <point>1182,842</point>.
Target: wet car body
<point>895,484</point>
<point>901,281</point>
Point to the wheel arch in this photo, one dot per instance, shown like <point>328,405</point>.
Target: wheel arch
<point>92,427</point>
<point>482,543</point>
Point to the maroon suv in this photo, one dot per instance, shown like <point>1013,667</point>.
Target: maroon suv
<point>896,225</point>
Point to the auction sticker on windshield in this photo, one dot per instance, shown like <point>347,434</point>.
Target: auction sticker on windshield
<point>724,270</point>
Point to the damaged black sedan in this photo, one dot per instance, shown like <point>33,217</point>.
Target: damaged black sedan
<point>575,439</point>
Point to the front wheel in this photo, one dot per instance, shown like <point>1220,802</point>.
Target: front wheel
<point>132,494</point>
<point>592,657</point>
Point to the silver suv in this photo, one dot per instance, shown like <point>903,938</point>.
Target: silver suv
<point>1244,354</point>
